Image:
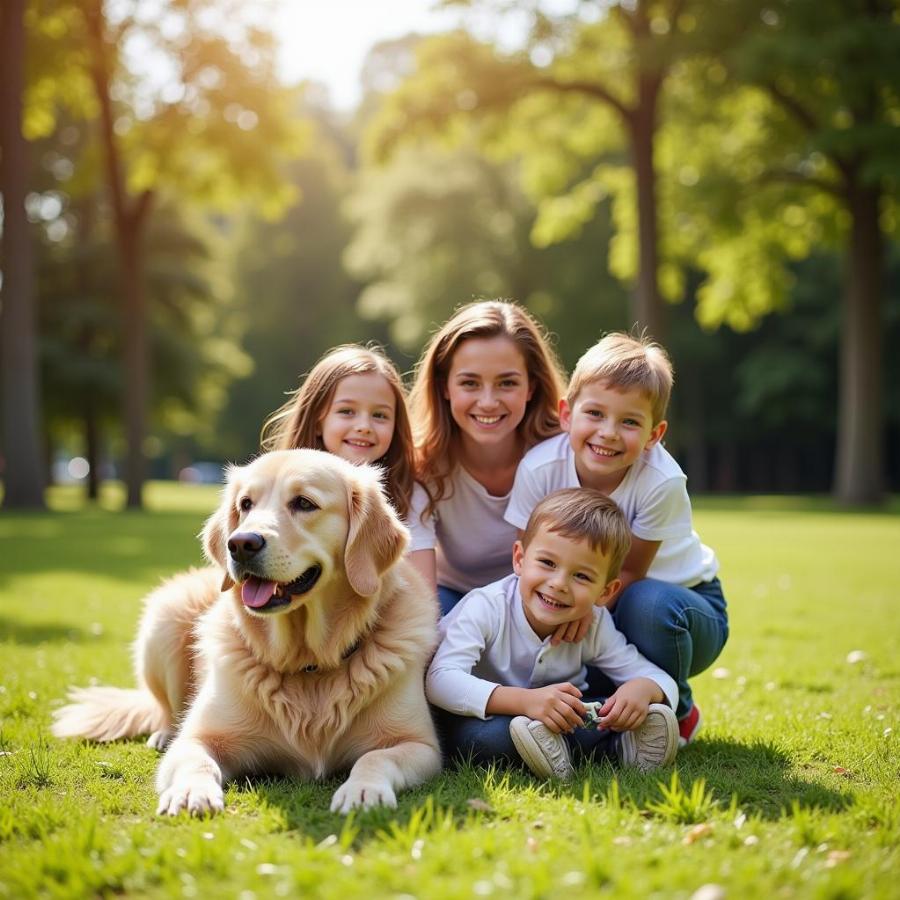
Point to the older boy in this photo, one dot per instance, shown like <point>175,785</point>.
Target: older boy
<point>508,690</point>
<point>670,604</point>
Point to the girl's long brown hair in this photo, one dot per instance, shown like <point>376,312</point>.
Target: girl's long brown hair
<point>435,433</point>
<point>296,423</point>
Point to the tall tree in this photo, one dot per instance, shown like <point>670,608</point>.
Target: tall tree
<point>580,104</point>
<point>809,155</point>
<point>193,346</point>
<point>23,475</point>
<point>214,129</point>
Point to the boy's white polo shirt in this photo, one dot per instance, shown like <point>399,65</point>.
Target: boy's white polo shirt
<point>652,496</point>
<point>486,641</point>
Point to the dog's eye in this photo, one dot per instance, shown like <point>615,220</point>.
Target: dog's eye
<point>245,504</point>
<point>302,504</point>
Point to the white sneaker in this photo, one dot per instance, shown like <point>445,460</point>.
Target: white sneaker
<point>545,753</point>
<point>652,745</point>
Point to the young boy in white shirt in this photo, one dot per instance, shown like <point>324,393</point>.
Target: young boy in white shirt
<point>670,604</point>
<point>504,691</point>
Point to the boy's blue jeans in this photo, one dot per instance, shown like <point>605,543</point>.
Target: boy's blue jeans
<point>487,740</point>
<point>448,598</point>
<point>682,630</point>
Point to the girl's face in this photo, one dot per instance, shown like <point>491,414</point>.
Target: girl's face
<point>358,424</point>
<point>488,389</point>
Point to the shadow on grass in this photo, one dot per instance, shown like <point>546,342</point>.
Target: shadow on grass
<point>127,546</point>
<point>756,775</point>
<point>25,633</point>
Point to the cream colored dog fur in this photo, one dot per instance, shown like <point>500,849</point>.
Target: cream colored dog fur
<point>307,661</point>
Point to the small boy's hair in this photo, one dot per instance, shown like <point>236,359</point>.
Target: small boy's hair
<point>626,362</point>
<point>583,513</point>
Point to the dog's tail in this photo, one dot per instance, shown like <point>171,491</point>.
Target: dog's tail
<point>108,713</point>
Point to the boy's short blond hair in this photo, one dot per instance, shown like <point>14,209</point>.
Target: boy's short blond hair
<point>626,362</point>
<point>583,513</point>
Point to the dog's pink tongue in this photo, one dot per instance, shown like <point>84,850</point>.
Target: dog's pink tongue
<point>256,593</point>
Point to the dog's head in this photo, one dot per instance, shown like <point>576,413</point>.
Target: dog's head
<point>293,521</point>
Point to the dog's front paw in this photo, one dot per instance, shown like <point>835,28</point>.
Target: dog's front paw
<point>201,796</point>
<point>355,793</point>
<point>159,740</point>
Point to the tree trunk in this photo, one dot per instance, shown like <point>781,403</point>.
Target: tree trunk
<point>130,217</point>
<point>859,466</point>
<point>24,472</point>
<point>134,397</point>
<point>86,343</point>
<point>647,310</point>
<point>92,447</point>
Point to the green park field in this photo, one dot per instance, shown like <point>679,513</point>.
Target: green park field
<point>791,790</point>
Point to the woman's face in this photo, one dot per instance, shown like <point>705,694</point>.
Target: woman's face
<point>488,390</point>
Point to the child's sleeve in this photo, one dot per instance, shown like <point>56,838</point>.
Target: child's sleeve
<point>465,633</point>
<point>526,493</point>
<point>608,649</point>
<point>421,527</point>
<point>665,512</point>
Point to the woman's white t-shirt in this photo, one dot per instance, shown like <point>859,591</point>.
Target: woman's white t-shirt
<point>467,530</point>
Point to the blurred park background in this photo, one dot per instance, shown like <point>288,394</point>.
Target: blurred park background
<point>194,212</point>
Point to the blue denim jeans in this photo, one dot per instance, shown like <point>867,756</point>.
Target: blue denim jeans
<point>448,598</point>
<point>488,740</point>
<point>682,630</point>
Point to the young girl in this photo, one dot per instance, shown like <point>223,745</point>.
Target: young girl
<point>487,388</point>
<point>353,405</point>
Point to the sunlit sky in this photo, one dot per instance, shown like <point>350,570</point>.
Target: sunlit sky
<point>327,40</point>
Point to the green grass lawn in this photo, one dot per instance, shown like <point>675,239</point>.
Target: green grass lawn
<point>790,792</point>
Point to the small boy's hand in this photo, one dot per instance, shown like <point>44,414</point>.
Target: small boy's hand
<point>572,632</point>
<point>557,705</point>
<point>627,708</point>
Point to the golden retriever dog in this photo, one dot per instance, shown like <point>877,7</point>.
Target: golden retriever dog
<point>308,660</point>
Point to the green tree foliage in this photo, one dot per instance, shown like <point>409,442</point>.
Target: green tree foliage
<point>581,105</point>
<point>194,346</point>
<point>806,109</point>
<point>441,226</point>
<point>214,130</point>
<point>295,298</point>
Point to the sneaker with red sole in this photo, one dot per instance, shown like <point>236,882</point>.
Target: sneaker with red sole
<point>689,726</point>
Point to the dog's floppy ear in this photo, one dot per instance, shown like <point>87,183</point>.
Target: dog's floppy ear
<point>377,537</point>
<point>218,527</point>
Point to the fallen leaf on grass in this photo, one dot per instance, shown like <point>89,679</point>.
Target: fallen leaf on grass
<point>479,805</point>
<point>697,832</point>
<point>840,770</point>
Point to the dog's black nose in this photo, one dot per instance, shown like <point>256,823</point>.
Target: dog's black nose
<point>244,545</point>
